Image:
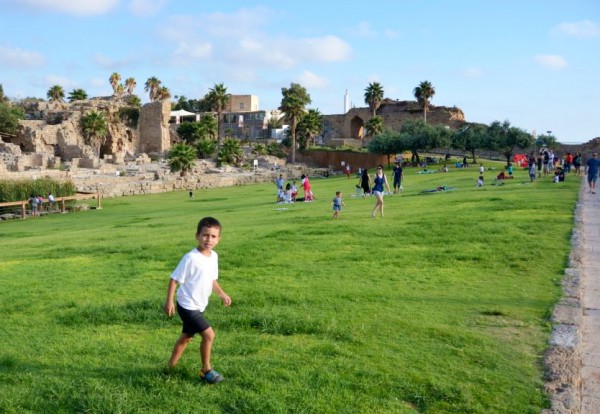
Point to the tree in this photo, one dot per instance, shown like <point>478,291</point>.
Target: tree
<point>295,98</point>
<point>374,126</point>
<point>506,139</point>
<point>424,92</point>
<point>114,80</point>
<point>163,93</point>
<point>309,126</point>
<point>387,142</point>
<point>218,99</point>
<point>206,147</point>
<point>120,91</point>
<point>56,94</point>
<point>95,128</point>
<point>134,100</point>
<point>77,95</point>
<point>3,98</point>
<point>230,153</point>
<point>419,136</point>
<point>182,158</point>
<point>9,117</point>
<point>374,96</point>
<point>192,132</point>
<point>151,86</point>
<point>470,138</point>
<point>130,85</point>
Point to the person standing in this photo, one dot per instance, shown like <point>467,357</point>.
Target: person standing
<point>379,181</point>
<point>398,177</point>
<point>196,275</point>
<point>337,202</point>
<point>279,182</point>
<point>365,182</point>
<point>532,170</point>
<point>591,169</point>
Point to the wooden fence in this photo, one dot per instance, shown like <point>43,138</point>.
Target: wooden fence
<point>60,201</point>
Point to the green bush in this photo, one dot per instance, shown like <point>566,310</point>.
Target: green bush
<point>22,189</point>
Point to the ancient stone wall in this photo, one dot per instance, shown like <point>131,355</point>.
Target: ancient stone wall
<point>394,113</point>
<point>154,128</point>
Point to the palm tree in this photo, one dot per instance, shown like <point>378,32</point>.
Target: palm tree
<point>309,127</point>
<point>230,153</point>
<point>218,99</point>
<point>182,158</point>
<point>114,80</point>
<point>374,96</point>
<point>130,85</point>
<point>374,126</point>
<point>95,127</point>
<point>163,93</point>
<point>3,98</point>
<point>56,94</point>
<point>295,98</point>
<point>151,86</point>
<point>77,95</point>
<point>120,91</point>
<point>424,92</point>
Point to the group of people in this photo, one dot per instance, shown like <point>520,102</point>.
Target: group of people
<point>36,203</point>
<point>288,193</point>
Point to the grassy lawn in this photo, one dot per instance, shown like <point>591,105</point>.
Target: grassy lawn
<point>441,306</point>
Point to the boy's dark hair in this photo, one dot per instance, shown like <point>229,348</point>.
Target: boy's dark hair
<point>208,222</point>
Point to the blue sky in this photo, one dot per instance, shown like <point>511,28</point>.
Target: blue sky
<point>535,63</point>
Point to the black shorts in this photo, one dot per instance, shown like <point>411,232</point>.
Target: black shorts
<point>193,321</point>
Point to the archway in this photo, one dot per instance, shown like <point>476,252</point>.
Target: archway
<point>357,127</point>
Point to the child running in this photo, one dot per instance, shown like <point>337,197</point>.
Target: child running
<point>337,204</point>
<point>197,275</point>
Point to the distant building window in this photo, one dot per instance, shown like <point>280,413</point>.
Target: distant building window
<point>241,105</point>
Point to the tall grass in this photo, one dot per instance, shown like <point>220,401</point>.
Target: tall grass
<point>18,190</point>
<point>441,306</point>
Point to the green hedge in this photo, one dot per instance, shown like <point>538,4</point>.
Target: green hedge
<point>22,189</point>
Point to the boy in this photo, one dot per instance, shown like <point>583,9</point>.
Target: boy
<point>337,204</point>
<point>197,275</point>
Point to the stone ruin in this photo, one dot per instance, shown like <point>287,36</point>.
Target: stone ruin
<point>52,135</point>
<point>351,125</point>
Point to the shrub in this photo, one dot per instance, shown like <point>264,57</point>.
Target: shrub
<point>20,190</point>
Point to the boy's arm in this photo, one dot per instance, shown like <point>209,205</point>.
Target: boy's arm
<point>169,307</point>
<point>221,293</point>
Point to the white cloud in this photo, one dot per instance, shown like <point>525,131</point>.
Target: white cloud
<point>20,58</point>
<point>77,7</point>
<point>324,49</point>
<point>66,83</point>
<point>582,29</point>
<point>391,34</point>
<point>311,80</point>
<point>555,62</point>
<point>146,7</point>
<point>193,50</point>
<point>112,64</point>
<point>364,29</point>
<point>472,73</point>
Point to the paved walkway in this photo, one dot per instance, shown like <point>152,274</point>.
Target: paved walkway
<point>590,286</point>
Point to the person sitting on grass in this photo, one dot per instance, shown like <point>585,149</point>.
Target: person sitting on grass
<point>196,275</point>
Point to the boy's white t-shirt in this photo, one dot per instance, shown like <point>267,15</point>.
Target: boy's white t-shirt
<point>195,274</point>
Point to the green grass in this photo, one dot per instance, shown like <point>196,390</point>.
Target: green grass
<point>440,307</point>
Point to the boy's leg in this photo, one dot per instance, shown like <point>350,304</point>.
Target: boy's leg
<point>208,336</point>
<point>180,345</point>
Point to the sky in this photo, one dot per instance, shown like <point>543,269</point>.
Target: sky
<point>535,63</point>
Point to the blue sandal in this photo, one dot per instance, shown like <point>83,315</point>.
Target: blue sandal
<point>212,377</point>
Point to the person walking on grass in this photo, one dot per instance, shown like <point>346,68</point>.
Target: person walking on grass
<point>338,203</point>
<point>379,181</point>
<point>591,169</point>
<point>398,176</point>
<point>196,275</point>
